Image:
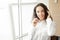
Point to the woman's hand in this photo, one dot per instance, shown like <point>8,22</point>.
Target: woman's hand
<point>49,15</point>
<point>35,21</point>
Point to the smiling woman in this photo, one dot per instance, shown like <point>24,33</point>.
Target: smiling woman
<point>44,26</point>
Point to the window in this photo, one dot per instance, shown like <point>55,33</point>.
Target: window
<point>27,11</point>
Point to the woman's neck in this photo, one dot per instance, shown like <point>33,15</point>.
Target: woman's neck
<point>42,20</point>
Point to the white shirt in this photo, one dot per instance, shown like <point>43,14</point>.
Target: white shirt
<point>43,30</point>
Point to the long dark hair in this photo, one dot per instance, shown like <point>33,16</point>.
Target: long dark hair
<point>45,10</point>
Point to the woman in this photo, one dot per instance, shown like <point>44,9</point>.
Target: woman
<point>44,26</point>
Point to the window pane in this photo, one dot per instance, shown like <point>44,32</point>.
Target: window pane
<point>28,1</point>
<point>27,11</point>
<point>17,39</point>
<point>6,31</point>
<point>12,1</point>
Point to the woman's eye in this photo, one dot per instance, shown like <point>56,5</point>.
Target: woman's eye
<point>37,11</point>
<point>42,11</point>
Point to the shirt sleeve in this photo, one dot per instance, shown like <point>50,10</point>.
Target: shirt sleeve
<point>51,27</point>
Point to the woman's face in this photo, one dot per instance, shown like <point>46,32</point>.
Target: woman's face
<point>40,12</point>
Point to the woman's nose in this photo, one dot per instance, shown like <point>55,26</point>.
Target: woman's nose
<point>40,13</point>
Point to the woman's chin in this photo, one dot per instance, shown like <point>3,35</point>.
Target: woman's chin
<point>41,19</point>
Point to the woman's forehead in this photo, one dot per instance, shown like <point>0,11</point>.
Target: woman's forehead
<point>39,8</point>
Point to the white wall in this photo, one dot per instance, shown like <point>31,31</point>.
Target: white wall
<point>6,32</point>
